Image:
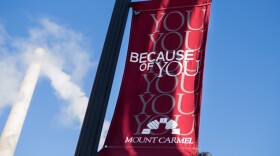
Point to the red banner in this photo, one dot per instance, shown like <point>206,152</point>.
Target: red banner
<point>158,109</point>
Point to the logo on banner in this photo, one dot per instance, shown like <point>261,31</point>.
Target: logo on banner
<point>154,125</point>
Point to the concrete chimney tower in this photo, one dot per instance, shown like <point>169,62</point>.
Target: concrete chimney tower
<point>15,121</point>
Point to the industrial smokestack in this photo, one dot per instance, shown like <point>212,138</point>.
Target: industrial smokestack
<point>14,124</point>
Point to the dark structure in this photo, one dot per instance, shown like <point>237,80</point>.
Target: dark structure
<point>93,122</point>
<point>205,154</point>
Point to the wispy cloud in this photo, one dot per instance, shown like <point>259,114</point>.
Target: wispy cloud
<point>10,76</point>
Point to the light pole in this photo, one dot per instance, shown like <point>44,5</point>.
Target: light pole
<point>97,106</point>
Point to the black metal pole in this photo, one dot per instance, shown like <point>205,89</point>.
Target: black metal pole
<point>97,106</point>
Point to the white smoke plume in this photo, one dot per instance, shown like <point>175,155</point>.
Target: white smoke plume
<point>68,91</point>
<point>66,63</point>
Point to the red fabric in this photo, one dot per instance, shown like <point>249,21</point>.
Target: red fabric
<point>158,108</point>
<point>162,4</point>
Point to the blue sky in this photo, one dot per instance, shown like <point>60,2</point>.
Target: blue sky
<point>241,83</point>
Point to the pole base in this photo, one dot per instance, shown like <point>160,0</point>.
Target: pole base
<point>205,154</point>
